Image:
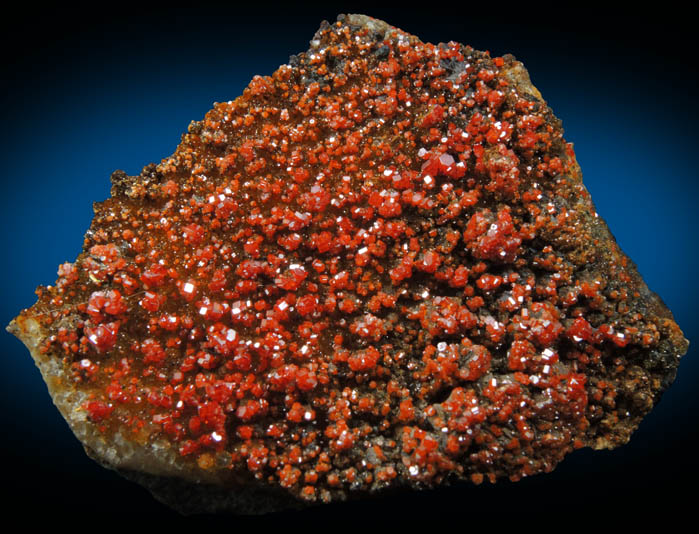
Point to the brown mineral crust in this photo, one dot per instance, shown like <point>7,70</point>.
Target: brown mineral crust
<point>377,268</point>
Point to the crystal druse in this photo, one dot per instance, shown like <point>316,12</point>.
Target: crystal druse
<point>377,268</point>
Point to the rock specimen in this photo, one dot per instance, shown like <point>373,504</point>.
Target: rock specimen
<point>377,268</point>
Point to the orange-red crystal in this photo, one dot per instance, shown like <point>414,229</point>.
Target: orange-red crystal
<point>373,268</point>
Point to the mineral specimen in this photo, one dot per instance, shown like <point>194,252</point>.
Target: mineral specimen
<point>377,268</point>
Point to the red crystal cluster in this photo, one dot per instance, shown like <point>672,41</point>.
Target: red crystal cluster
<point>377,267</point>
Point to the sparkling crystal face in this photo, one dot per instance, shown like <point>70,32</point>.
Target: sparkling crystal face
<point>378,267</point>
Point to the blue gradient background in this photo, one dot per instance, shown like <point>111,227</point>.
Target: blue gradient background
<point>85,95</point>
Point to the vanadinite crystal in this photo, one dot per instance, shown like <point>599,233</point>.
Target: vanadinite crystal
<point>377,268</point>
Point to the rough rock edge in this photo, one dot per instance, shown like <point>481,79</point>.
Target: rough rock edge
<point>121,452</point>
<point>667,354</point>
<point>159,468</point>
<point>154,465</point>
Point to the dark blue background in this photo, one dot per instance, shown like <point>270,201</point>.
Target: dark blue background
<point>86,93</point>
